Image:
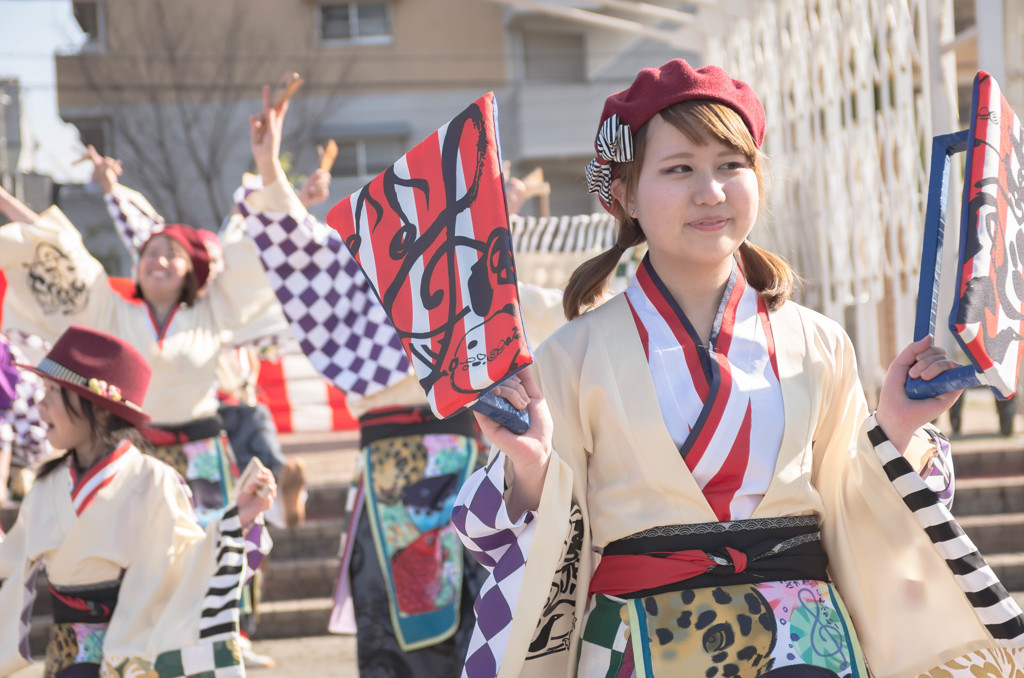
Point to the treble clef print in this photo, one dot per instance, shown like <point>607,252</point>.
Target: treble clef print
<point>823,638</point>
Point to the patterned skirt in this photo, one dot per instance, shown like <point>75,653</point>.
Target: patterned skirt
<point>733,599</point>
<point>203,457</point>
<point>412,585</point>
<point>771,629</point>
<point>75,650</point>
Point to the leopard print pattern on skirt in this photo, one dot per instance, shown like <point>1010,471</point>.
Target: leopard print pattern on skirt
<point>987,663</point>
<point>172,455</point>
<point>61,650</point>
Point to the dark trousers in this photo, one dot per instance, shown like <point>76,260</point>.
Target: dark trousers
<point>252,433</point>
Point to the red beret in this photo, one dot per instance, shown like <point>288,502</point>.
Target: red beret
<point>653,90</point>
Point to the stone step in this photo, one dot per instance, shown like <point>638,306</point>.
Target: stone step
<point>988,494</point>
<point>995,533</point>
<point>1009,567</point>
<point>294,618</point>
<point>327,501</point>
<point>987,456</point>
<point>299,578</point>
<point>316,538</point>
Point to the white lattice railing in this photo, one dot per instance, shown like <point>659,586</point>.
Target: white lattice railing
<point>845,88</point>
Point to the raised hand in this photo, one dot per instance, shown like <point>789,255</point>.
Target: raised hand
<point>256,497</point>
<point>898,414</point>
<point>316,188</point>
<point>105,170</point>
<point>265,131</point>
<point>16,210</point>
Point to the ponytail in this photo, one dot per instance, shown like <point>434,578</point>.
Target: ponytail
<point>590,279</point>
<point>769,274</point>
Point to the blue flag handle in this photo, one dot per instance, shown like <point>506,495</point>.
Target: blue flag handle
<point>965,376</point>
<point>501,411</point>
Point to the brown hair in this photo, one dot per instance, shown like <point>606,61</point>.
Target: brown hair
<point>190,289</point>
<point>107,432</point>
<point>699,120</point>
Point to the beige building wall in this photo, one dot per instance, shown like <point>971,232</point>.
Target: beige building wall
<point>201,50</point>
<point>168,85</point>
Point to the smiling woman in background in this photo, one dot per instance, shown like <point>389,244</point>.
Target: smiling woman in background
<point>180,320</point>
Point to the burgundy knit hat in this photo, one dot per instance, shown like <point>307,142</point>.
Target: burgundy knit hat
<point>189,238</point>
<point>653,90</point>
<point>100,367</point>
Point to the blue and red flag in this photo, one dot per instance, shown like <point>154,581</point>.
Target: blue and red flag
<point>988,316</point>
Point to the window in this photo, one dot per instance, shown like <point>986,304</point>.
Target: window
<point>356,22</point>
<point>554,56</point>
<point>366,157</point>
<point>89,16</point>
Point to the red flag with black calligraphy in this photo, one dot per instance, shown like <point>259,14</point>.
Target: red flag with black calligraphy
<point>988,315</point>
<point>431,233</point>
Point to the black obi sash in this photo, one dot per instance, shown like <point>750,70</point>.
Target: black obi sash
<point>93,604</point>
<point>735,552</point>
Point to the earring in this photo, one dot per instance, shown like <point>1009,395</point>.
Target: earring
<point>632,213</point>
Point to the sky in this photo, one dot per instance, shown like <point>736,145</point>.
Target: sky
<point>31,32</point>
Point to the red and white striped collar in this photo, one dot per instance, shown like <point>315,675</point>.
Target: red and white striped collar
<point>649,285</point>
<point>721,403</point>
<point>102,473</point>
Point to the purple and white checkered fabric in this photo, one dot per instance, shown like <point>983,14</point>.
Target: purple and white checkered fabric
<point>338,321</point>
<point>28,434</point>
<point>26,610</point>
<point>482,521</point>
<point>938,473</point>
<point>134,218</point>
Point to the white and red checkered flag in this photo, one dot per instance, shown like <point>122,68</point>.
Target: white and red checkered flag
<point>431,234</point>
<point>987,318</point>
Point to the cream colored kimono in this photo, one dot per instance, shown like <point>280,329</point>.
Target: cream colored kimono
<point>617,463</point>
<point>140,529</point>
<point>53,282</point>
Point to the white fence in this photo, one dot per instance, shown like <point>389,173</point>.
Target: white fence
<point>853,92</point>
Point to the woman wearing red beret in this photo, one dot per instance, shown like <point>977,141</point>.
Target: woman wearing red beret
<point>703,490</point>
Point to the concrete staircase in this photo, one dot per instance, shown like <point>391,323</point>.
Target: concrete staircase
<point>989,500</point>
<point>302,568</point>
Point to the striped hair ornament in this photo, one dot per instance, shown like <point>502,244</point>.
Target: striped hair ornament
<point>614,143</point>
<point>654,90</point>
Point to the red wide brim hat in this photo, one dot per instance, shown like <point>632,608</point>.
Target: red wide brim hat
<point>102,368</point>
